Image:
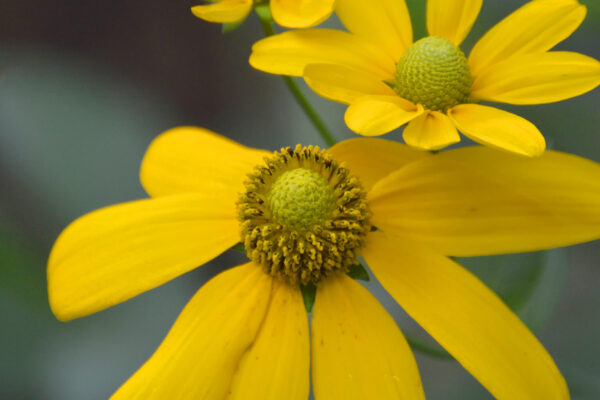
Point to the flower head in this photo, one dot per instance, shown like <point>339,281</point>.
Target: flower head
<point>288,13</point>
<point>388,81</point>
<point>304,215</point>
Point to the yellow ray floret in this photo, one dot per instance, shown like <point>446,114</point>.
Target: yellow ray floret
<point>288,13</point>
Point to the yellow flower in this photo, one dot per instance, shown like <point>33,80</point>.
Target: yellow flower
<point>245,333</point>
<point>388,81</point>
<point>289,13</point>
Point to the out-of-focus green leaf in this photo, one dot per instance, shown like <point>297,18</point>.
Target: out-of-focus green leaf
<point>530,284</point>
<point>232,26</point>
<point>593,7</point>
<point>417,17</point>
<point>264,12</point>
<point>239,247</point>
<point>21,269</point>
<point>547,289</point>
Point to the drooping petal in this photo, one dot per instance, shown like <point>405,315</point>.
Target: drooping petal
<point>343,84</point>
<point>371,159</point>
<point>191,159</point>
<point>224,11</point>
<point>277,365</point>
<point>288,53</point>
<point>537,78</point>
<point>432,130</point>
<point>384,22</point>
<point>534,28</point>
<point>115,253</point>
<point>452,19</point>
<point>301,13</point>
<point>199,357</point>
<point>358,352</point>
<point>478,201</point>
<point>498,128</point>
<point>466,318</point>
<point>376,115</point>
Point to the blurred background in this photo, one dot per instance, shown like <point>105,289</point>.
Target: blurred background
<point>85,86</point>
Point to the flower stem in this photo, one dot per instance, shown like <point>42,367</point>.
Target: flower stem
<point>309,110</point>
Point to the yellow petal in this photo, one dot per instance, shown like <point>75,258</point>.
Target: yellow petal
<point>118,252</point>
<point>534,28</point>
<point>190,159</point>
<point>301,13</point>
<point>376,115</point>
<point>384,22</point>
<point>201,353</point>
<point>467,319</point>
<point>290,52</point>
<point>371,159</point>
<point>452,19</point>
<point>537,78</point>
<point>357,349</point>
<point>277,365</point>
<point>497,128</point>
<point>432,130</point>
<point>223,11</point>
<point>479,201</point>
<point>343,84</point>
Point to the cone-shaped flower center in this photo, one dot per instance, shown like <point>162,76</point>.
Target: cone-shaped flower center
<point>300,198</point>
<point>433,72</point>
<point>303,215</point>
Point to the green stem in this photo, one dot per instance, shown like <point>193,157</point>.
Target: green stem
<point>309,110</point>
<point>425,348</point>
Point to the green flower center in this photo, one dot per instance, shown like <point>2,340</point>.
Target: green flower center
<point>433,72</point>
<point>303,215</point>
<point>300,198</point>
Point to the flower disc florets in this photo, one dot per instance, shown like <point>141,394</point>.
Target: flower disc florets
<point>303,215</point>
<point>433,72</point>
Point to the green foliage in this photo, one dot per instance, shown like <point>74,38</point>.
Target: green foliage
<point>309,292</point>
<point>417,16</point>
<point>19,269</point>
<point>239,247</point>
<point>530,284</point>
<point>232,26</point>
<point>264,12</point>
<point>358,271</point>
